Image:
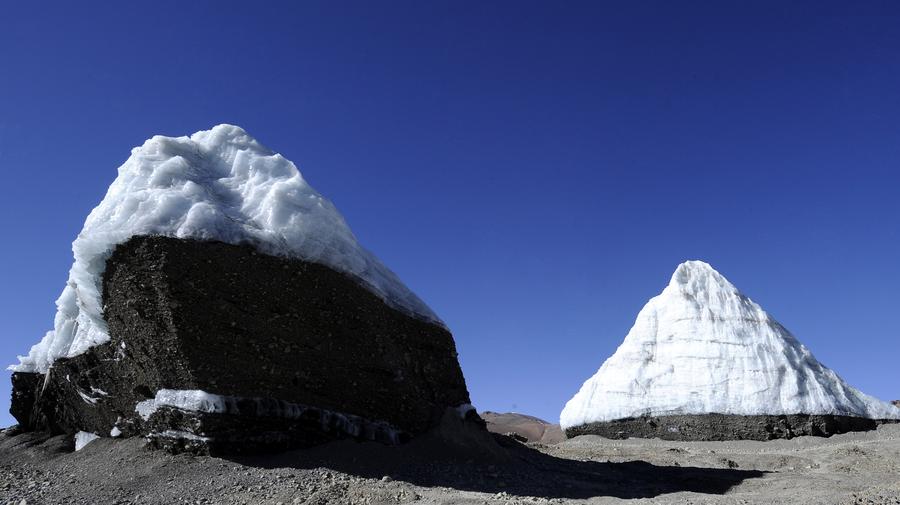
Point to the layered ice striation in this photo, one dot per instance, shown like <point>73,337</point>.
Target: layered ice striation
<point>220,185</point>
<point>702,347</point>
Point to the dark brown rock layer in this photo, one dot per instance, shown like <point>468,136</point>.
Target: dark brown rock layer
<point>725,427</point>
<point>225,319</point>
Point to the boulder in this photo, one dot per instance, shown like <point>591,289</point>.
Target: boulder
<point>218,348</point>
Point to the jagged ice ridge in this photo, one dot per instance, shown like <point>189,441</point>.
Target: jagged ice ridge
<point>219,184</point>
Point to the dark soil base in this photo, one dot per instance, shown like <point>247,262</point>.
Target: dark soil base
<point>719,427</point>
<point>228,320</point>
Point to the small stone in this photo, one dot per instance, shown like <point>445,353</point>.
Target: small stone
<point>386,478</point>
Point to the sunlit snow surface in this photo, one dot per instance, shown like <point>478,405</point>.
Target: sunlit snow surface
<point>83,438</point>
<point>219,184</point>
<point>702,347</point>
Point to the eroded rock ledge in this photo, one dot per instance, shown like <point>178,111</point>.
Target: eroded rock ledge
<point>227,320</point>
<point>718,427</point>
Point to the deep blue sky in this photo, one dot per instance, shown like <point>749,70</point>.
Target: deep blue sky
<point>534,171</point>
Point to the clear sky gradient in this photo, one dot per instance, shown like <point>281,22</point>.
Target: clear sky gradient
<point>534,171</point>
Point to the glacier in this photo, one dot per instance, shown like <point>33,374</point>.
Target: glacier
<point>219,184</point>
<point>702,347</point>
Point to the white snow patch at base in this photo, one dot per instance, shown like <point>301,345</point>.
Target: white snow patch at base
<point>219,184</point>
<point>192,399</point>
<point>201,401</point>
<point>83,438</point>
<point>702,347</point>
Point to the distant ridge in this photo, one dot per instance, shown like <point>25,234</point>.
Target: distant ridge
<point>531,428</point>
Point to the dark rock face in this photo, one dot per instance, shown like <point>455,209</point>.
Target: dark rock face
<point>725,427</point>
<point>25,387</point>
<point>896,403</point>
<point>327,357</point>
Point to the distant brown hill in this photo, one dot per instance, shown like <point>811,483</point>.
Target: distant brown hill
<point>529,427</point>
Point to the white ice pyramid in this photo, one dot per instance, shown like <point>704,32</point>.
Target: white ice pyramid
<point>219,184</point>
<point>702,347</point>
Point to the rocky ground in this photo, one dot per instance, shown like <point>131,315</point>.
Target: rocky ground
<point>854,468</point>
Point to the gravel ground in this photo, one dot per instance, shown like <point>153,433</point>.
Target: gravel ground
<point>459,467</point>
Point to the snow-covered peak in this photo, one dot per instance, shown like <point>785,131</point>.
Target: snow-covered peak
<point>699,276</point>
<point>219,184</point>
<point>698,288</point>
<point>701,347</point>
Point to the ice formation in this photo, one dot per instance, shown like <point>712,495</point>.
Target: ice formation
<point>702,347</point>
<point>195,400</point>
<point>83,438</point>
<point>189,399</point>
<point>219,184</point>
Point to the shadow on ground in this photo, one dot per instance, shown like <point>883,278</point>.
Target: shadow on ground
<point>522,471</point>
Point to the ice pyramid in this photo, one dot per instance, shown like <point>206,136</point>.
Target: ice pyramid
<point>702,347</point>
<point>219,184</point>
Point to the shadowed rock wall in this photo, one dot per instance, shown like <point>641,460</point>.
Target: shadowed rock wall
<point>225,319</point>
